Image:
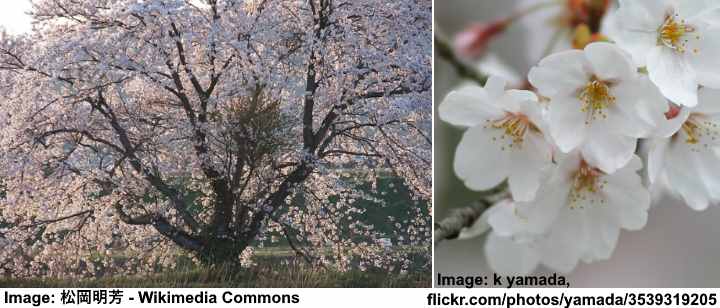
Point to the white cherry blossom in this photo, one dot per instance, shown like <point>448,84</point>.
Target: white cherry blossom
<point>677,40</point>
<point>505,138</point>
<point>685,156</point>
<point>577,215</point>
<point>155,129</point>
<point>598,103</point>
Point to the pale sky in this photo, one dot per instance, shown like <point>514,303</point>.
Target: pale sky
<point>13,17</point>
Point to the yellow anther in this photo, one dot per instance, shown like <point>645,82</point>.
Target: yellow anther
<point>691,130</point>
<point>596,98</point>
<point>586,178</point>
<point>586,185</point>
<point>701,132</point>
<point>515,126</point>
<point>672,33</point>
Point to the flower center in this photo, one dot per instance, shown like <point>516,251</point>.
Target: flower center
<point>700,131</point>
<point>514,126</point>
<point>672,33</point>
<point>586,185</point>
<point>596,99</point>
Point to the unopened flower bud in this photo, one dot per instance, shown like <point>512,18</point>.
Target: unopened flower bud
<point>472,42</point>
<point>589,12</point>
<point>672,112</point>
<point>582,36</point>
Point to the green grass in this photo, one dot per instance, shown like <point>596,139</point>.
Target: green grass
<point>270,272</point>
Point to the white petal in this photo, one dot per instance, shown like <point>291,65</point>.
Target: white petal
<point>622,120</point>
<point>672,75</point>
<point>708,101</point>
<point>646,14</point>
<point>636,27</point>
<point>698,9</point>
<point>535,112</point>
<point>669,127</point>
<point>509,258</point>
<point>562,73</point>
<point>642,104</point>
<point>468,106</point>
<point>660,191</point>
<point>529,165</point>
<point>503,219</point>
<point>628,200</point>
<point>495,86</point>
<point>707,164</point>
<point>683,179</point>
<point>524,186</point>
<point>608,152</point>
<point>635,164</point>
<point>539,215</point>
<point>656,157</point>
<point>562,248</point>
<point>567,164</point>
<point>610,62</point>
<point>567,123</point>
<point>637,43</point>
<point>479,160</point>
<point>512,100</point>
<point>522,95</point>
<point>602,234</point>
<point>702,53</point>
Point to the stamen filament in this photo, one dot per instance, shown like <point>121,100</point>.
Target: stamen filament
<point>596,98</point>
<point>586,185</point>
<point>515,126</point>
<point>672,33</point>
<point>700,131</point>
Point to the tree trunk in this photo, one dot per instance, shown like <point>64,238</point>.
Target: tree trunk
<point>218,251</point>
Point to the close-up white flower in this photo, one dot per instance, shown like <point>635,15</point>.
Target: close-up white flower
<point>598,103</point>
<point>688,162</point>
<point>505,137</point>
<point>577,215</point>
<point>678,41</point>
<point>628,106</point>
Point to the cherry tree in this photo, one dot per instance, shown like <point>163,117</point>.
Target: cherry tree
<point>137,130</point>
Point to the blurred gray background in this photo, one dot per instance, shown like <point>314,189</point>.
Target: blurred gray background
<point>678,248</point>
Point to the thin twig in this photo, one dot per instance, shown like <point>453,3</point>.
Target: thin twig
<point>443,50</point>
<point>450,227</point>
<point>44,222</point>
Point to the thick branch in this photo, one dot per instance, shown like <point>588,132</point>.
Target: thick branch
<point>163,227</point>
<point>136,221</point>
<point>156,180</point>
<point>277,198</point>
<point>295,247</point>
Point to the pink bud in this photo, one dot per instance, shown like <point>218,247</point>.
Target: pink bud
<point>673,112</point>
<point>473,41</point>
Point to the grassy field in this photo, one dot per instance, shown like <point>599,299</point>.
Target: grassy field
<point>270,271</point>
